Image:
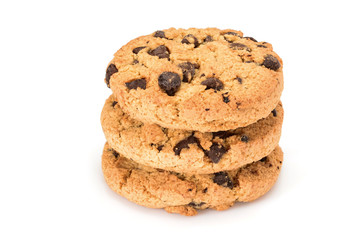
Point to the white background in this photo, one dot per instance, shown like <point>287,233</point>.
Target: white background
<point>53,59</point>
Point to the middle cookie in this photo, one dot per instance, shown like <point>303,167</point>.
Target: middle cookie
<point>186,151</point>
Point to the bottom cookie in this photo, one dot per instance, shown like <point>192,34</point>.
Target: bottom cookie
<point>183,193</point>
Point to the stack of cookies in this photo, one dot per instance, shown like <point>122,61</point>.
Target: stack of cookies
<point>194,120</point>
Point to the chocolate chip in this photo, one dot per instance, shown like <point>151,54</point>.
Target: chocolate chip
<point>159,34</point>
<point>239,80</point>
<point>216,152</point>
<point>202,75</point>
<point>185,144</point>
<point>225,98</point>
<point>213,83</point>
<point>262,46</point>
<point>190,39</point>
<point>205,190</point>
<point>274,112</point>
<point>223,134</point>
<point>263,159</point>
<point>116,154</point>
<point>223,179</point>
<point>161,51</point>
<point>278,167</point>
<point>109,72</point>
<point>239,46</point>
<point>255,172</point>
<point>270,165</point>
<point>271,62</point>
<point>251,38</point>
<point>137,83</point>
<point>137,50</point>
<point>190,189</point>
<point>207,109</point>
<point>169,82</point>
<point>135,61</point>
<point>159,148</point>
<point>188,70</point>
<point>244,138</point>
<point>114,103</point>
<point>196,205</point>
<point>231,33</point>
<point>208,39</point>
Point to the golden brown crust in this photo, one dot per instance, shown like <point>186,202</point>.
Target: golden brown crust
<point>152,145</point>
<point>193,106</point>
<point>184,194</point>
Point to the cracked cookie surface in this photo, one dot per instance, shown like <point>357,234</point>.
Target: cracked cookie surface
<point>183,193</point>
<point>188,151</point>
<point>204,80</point>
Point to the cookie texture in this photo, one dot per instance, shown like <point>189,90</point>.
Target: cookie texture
<point>189,151</point>
<point>183,193</point>
<point>205,80</point>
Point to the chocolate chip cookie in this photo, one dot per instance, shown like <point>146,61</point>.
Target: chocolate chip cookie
<point>185,194</point>
<point>205,80</point>
<point>189,151</point>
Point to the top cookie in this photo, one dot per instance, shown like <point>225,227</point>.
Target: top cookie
<point>204,80</point>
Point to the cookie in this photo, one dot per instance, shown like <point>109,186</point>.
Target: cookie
<point>205,80</point>
<point>188,151</point>
<point>185,194</point>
